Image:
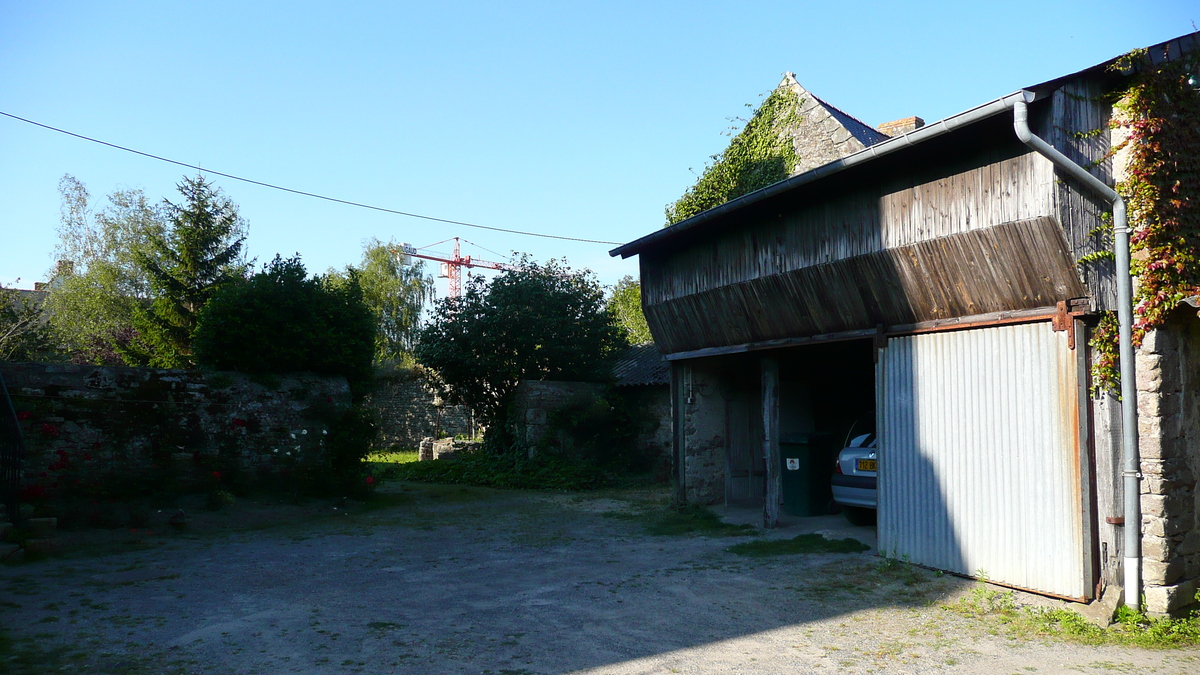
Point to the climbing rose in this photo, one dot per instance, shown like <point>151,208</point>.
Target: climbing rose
<point>370,480</point>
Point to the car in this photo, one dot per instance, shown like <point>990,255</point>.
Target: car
<point>855,479</point>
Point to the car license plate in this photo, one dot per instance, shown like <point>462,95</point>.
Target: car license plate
<point>866,465</point>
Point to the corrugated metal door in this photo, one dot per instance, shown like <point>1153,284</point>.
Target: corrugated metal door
<point>979,468</point>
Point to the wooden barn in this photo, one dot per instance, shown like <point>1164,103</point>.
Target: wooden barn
<point>927,286</point>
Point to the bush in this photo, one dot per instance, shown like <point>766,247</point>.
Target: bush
<point>280,321</point>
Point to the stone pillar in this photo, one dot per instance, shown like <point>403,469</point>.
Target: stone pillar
<point>425,453</point>
<point>1169,430</point>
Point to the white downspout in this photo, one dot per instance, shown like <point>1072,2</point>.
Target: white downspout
<point>1129,436</point>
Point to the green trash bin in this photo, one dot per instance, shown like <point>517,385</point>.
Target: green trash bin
<point>805,468</point>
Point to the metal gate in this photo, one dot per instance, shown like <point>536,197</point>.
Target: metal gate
<point>12,451</point>
<point>979,470</point>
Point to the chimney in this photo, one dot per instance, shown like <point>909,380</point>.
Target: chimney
<point>900,126</point>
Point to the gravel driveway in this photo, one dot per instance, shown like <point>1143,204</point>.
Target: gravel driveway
<point>468,580</point>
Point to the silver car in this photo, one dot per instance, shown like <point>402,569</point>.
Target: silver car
<point>855,479</point>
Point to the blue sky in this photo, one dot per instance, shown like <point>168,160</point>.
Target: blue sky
<point>576,119</point>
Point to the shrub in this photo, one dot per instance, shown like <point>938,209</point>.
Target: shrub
<point>280,320</point>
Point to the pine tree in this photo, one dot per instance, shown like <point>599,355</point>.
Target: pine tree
<point>200,252</point>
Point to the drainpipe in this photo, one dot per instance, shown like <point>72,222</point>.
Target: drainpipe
<point>1129,444</point>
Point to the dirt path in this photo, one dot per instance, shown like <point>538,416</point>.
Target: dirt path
<point>463,580</point>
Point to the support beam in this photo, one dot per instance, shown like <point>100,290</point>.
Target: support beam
<point>770,416</point>
<point>677,436</point>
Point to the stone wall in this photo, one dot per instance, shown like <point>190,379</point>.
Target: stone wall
<point>1168,379</point>
<point>704,433</point>
<point>536,400</point>
<point>88,424</point>
<point>409,409</point>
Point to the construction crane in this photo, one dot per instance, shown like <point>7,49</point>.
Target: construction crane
<point>450,268</point>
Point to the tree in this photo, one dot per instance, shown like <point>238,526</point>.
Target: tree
<point>281,321</point>
<point>395,293</point>
<point>625,306</point>
<point>198,254</point>
<point>98,282</point>
<point>23,332</point>
<point>530,323</point>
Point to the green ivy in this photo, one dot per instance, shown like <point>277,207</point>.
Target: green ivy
<point>760,155</point>
<point>1160,112</point>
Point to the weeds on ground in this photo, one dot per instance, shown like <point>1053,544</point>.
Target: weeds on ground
<point>804,543</point>
<point>679,520</point>
<point>1130,627</point>
<point>507,471</point>
<point>385,458</point>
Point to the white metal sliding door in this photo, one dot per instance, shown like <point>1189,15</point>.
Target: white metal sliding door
<point>979,469</point>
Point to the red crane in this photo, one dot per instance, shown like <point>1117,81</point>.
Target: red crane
<point>451,268</point>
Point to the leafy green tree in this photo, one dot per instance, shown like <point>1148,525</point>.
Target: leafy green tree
<point>98,282</point>
<point>200,252</point>
<point>396,294</point>
<point>625,306</point>
<point>280,320</point>
<point>529,323</point>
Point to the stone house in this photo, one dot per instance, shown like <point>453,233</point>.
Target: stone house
<point>939,284</point>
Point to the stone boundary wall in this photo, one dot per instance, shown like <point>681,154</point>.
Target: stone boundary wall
<point>82,424</point>
<point>1168,382</point>
<point>536,399</point>
<point>409,410</point>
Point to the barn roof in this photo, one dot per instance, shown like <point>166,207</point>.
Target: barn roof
<point>641,365</point>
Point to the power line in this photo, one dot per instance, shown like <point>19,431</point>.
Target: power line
<point>308,194</point>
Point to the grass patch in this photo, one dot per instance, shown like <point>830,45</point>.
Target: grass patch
<point>544,472</point>
<point>689,519</point>
<point>1130,628</point>
<point>393,457</point>
<point>804,543</point>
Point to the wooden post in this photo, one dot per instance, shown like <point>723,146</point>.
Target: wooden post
<point>677,433</point>
<point>770,415</point>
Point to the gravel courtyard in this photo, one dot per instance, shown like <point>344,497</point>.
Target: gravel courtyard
<point>447,579</point>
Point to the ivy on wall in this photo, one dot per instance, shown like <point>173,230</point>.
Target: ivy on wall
<point>1160,114</point>
<point>760,155</point>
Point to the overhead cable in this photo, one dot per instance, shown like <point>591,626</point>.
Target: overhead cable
<point>309,194</point>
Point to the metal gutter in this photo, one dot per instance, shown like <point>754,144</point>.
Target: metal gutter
<point>1129,431</point>
<point>939,128</point>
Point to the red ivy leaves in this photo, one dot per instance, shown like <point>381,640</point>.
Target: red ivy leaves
<point>1160,114</point>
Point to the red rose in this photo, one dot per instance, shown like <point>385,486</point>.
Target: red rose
<point>24,415</point>
<point>216,475</point>
<point>370,480</point>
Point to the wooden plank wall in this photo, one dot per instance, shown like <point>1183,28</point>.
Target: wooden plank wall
<point>875,217</point>
<point>1020,265</point>
<point>1079,128</point>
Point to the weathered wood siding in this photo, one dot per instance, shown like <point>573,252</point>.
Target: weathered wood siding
<point>1020,265</point>
<point>868,220</point>
<point>1079,128</point>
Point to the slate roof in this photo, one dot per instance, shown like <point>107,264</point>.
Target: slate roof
<point>641,365</point>
<point>824,133</point>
